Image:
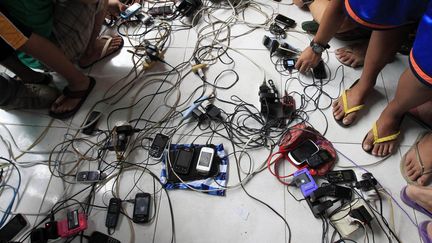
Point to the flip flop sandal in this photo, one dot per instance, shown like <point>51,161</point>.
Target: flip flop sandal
<point>82,95</point>
<point>350,49</point>
<point>408,201</point>
<point>419,160</point>
<point>378,140</point>
<point>345,106</point>
<point>423,231</point>
<point>104,51</point>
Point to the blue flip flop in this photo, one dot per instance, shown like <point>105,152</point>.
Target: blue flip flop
<point>408,201</point>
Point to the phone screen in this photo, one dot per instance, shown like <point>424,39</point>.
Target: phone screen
<point>184,157</point>
<point>12,228</point>
<point>205,159</point>
<point>304,151</point>
<point>141,205</point>
<point>160,140</point>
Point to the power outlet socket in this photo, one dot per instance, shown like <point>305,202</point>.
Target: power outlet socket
<point>343,222</point>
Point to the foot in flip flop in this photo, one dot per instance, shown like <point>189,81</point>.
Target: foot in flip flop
<point>345,108</point>
<point>71,100</point>
<point>103,47</point>
<point>352,55</point>
<point>382,139</point>
<point>418,198</point>
<point>418,160</point>
<point>425,229</point>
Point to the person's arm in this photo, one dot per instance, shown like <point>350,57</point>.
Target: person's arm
<point>331,21</point>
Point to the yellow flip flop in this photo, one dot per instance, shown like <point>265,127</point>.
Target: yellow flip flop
<point>378,140</point>
<point>345,106</point>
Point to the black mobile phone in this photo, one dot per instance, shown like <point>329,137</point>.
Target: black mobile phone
<point>319,158</point>
<point>93,119</point>
<point>271,43</point>
<point>301,153</point>
<point>98,237</point>
<point>289,64</point>
<point>113,212</point>
<point>285,21</point>
<point>341,176</point>
<point>141,213</point>
<point>158,146</point>
<point>12,228</point>
<point>319,71</point>
<point>160,11</point>
<point>183,160</point>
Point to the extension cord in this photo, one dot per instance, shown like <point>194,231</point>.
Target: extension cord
<point>344,223</point>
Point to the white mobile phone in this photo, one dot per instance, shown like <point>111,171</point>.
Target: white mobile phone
<point>205,160</point>
<point>131,10</point>
<point>303,152</point>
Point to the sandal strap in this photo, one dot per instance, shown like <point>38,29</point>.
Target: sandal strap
<point>388,138</point>
<point>345,105</point>
<point>106,46</point>
<point>420,161</point>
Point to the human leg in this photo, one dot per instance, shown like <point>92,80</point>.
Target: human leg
<point>96,46</point>
<point>382,47</point>
<point>410,93</point>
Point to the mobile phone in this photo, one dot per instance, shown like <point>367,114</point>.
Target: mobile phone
<point>319,158</point>
<point>12,228</point>
<point>205,160</point>
<point>270,43</point>
<point>141,211</point>
<point>341,176</point>
<point>74,223</point>
<point>319,71</point>
<point>160,10</point>
<point>91,176</point>
<point>113,212</point>
<point>158,146</point>
<point>183,160</point>
<point>98,237</point>
<point>130,11</point>
<point>285,21</point>
<point>289,64</point>
<point>92,120</point>
<point>301,153</point>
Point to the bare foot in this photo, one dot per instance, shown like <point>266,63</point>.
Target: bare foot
<point>355,96</point>
<point>413,166</point>
<point>422,196</point>
<point>95,53</point>
<point>65,104</point>
<point>387,125</point>
<point>429,230</point>
<point>352,55</point>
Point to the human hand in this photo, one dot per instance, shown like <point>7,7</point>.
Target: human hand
<point>298,3</point>
<point>115,7</point>
<point>307,60</point>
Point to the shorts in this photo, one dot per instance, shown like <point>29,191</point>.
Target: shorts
<point>73,26</point>
<point>13,35</point>
<point>388,14</point>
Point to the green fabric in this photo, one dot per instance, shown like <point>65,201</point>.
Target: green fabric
<point>36,15</point>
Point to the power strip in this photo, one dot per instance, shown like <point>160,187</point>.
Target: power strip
<point>343,222</point>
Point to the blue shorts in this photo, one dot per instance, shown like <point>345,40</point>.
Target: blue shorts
<point>388,14</point>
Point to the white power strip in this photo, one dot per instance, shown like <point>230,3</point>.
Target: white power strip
<point>343,222</point>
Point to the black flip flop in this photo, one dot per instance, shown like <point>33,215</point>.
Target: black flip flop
<point>83,94</point>
<point>104,55</point>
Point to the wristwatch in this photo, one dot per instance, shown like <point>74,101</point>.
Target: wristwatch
<point>318,48</point>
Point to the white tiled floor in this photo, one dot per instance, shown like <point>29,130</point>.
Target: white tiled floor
<point>199,217</point>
